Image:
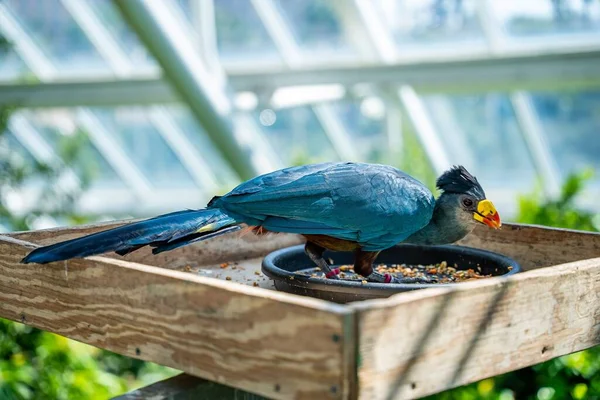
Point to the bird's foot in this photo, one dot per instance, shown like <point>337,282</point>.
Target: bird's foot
<point>315,253</point>
<point>381,278</point>
<point>333,273</point>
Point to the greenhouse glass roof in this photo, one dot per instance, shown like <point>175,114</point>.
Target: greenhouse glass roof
<point>510,89</point>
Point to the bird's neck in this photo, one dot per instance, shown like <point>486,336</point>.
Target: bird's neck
<point>444,227</point>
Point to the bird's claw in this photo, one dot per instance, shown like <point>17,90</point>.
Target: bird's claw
<point>333,274</point>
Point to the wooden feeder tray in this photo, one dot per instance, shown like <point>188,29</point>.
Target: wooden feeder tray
<point>207,309</point>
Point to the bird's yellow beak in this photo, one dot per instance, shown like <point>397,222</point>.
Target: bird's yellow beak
<point>486,214</point>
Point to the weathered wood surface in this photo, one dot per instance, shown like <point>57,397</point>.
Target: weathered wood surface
<point>242,254</point>
<point>536,246</point>
<point>265,342</point>
<point>424,342</point>
<point>187,387</point>
<point>410,345</point>
<point>232,247</point>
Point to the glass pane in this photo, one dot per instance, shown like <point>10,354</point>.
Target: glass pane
<point>481,132</point>
<point>316,25</point>
<point>121,32</point>
<point>71,142</point>
<point>11,148</point>
<point>531,18</point>
<point>187,10</point>
<point>366,127</point>
<point>297,135</point>
<point>430,22</point>
<point>138,137</point>
<point>240,34</point>
<point>57,34</point>
<point>203,145</point>
<point>17,171</point>
<point>11,66</point>
<point>571,122</point>
<point>16,147</point>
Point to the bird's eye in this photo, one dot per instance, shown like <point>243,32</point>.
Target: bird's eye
<point>467,202</point>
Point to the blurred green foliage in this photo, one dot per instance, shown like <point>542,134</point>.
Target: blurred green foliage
<point>36,364</point>
<point>561,212</point>
<point>39,365</point>
<point>575,376</point>
<point>413,159</point>
<point>17,171</point>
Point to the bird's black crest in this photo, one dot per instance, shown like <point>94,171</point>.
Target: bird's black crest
<point>458,180</point>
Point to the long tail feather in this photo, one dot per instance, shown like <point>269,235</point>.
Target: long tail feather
<point>178,229</point>
<point>199,237</point>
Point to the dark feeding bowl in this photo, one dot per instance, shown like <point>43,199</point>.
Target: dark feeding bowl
<point>285,266</point>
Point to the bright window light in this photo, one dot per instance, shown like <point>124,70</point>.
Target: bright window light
<point>292,96</point>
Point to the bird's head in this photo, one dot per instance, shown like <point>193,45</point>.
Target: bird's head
<point>461,189</point>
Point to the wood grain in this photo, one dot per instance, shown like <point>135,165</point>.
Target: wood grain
<point>535,246</point>
<point>273,344</point>
<point>232,247</point>
<point>427,341</point>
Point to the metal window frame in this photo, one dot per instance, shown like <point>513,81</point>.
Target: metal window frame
<point>490,27</point>
<point>113,153</point>
<point>424,128</point>
<point>504,67</point>
<point>377,32</point>
<point>559,71</point>
<point>527,119</point>
<point>537,145</point>
<point>159,117</point>
<point>100,37</point>
<point>26,47</point>
<point>196,166</point>
<point>279,32</point>
<point>137,181</point>
<point>203,14</point>
<point>37,146</point>
<point>292,55</point>
<point>336,132</point>
<point>162,34</point>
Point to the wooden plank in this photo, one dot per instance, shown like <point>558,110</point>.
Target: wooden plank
<point>247,272</point>
<point>269,343</point>
<point>187,387</point>
<point>532,246</point>
<point>242,253</point>
<point>535,246</point>
<point>232,247</point>
<point>427,341</point>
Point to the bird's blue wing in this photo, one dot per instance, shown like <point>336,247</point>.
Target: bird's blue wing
<point>374,205</point>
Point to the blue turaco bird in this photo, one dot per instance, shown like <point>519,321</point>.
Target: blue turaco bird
<point>345,206</point>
